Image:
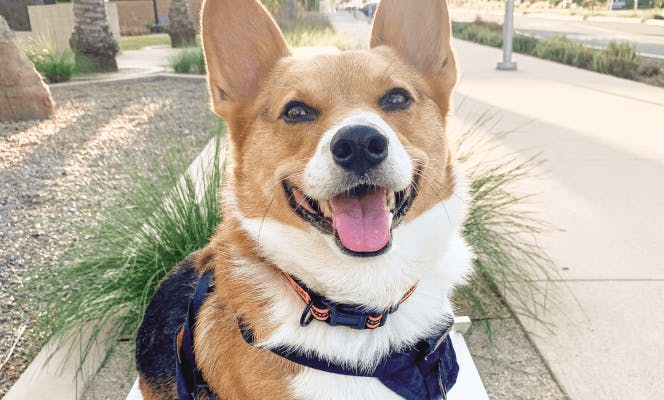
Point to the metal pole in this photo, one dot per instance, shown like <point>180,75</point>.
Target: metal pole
<point>508,33</point>
<point>156,13</point>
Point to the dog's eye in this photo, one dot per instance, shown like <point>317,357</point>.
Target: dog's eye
<point>296,112</point>
<point>396,99</point>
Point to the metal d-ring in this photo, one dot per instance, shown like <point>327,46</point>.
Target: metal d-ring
<point>306,317</point>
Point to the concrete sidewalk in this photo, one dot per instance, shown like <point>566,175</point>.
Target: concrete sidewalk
<point>603,186</point>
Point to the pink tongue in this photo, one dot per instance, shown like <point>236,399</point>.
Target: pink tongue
<point>361,223</point>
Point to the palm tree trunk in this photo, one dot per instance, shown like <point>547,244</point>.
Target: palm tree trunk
<point>180,27</point>
<point>290,10</point>
<point>92,37</point>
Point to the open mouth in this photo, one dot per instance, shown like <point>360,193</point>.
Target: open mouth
<point>361,219</point>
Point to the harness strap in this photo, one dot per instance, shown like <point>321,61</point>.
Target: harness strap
<point>426,371</point>
<point>188,376</point>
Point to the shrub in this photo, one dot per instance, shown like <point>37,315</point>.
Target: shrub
<point>162,216</point>
<point>479,33</point>
<point>555,49</point>
<point>566,51</point>
<point>582,57</point>
<point>649,69</point>
<point>525,44</point>
<point>492,26</point>
<point>501,231</point>
<point>54,66</point>
<point>618,59</point>
<point>189,61</point>
<point>84,65</point>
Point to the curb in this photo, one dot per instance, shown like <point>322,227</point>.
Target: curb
<point>560,17</point>
<point>655,22</point>
<point>128,78</point>
<point>557,17</point>
<point>54,373</point>
<point>615,20</point>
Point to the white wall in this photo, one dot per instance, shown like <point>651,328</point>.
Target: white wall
<point>55,23</point>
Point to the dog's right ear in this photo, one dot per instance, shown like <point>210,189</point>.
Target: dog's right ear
<point>242,43</point>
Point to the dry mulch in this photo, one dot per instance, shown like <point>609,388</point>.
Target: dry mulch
<point>60,173</point>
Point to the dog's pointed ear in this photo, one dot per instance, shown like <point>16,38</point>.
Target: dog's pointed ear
<point>419,31</point>
<point>242,43</point>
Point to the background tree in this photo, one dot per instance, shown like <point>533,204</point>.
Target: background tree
<point>290,9</point>
<point>181,28</point>
<point>92,37</point>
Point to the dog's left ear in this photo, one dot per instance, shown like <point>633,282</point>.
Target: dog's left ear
<point>420,33</point>
<point>242,43</point>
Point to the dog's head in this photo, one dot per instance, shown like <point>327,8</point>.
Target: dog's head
<point>332,154</point>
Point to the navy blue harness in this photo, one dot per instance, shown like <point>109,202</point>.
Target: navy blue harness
<point>427,371</point>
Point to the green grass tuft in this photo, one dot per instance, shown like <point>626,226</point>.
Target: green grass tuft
<point>503,234</point>
<point>189,61</point>
<point>106,284</point>
<point>54,66</point>
<point>618,59</point>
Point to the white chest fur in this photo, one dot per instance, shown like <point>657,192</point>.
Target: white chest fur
<point>313,384</point>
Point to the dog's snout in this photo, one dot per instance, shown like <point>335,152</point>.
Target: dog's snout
<point>359,148</point>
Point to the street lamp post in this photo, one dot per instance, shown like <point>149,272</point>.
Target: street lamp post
<point>156,14</point>
<point>508,32</point>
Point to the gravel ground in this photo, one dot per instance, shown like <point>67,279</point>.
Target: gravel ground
<point>60,173</point>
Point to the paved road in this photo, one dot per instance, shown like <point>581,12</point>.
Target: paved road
<point>649,39</point>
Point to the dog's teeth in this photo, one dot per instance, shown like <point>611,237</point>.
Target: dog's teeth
<point>391,201</point>
<point>325,209</point>
<point>390,219</point>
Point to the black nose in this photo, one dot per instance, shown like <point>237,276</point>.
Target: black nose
<point>359,148</point>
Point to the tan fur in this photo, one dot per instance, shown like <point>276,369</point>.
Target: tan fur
<point>251,77</point>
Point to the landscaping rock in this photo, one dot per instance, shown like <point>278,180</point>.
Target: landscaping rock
<point>23,94</point>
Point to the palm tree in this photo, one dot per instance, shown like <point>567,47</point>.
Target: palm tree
<point>290,10</point>
<point>180,27</point>
<point>92,37</point>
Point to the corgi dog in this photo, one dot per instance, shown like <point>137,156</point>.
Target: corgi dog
<point>331,274</point>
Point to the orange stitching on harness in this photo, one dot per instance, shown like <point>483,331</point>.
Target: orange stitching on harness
<point>408,293</point>
<point>321,314</point>
<point>298,289</point>
<point>374,322</point>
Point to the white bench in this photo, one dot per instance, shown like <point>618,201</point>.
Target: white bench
<point>469,385</point>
